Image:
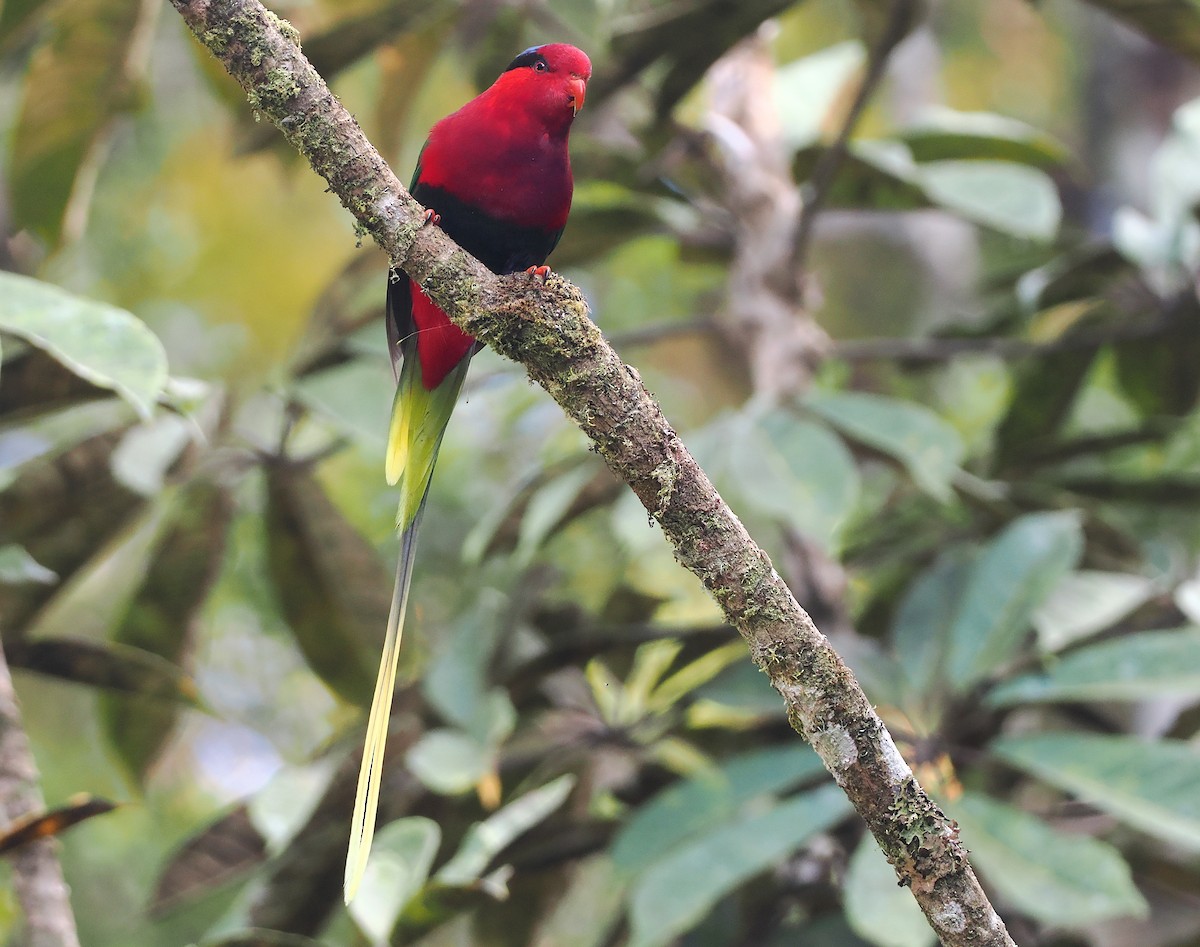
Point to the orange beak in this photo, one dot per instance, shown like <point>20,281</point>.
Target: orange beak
<point>576,92</point>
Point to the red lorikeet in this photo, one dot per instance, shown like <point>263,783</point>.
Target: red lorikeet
<point>497,178</point>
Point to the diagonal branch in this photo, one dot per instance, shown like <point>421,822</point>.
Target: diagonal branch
<point>550,332</point>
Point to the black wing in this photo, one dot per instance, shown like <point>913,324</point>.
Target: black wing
<point>399,316</point>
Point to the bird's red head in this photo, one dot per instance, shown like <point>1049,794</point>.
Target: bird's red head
<point>552,81</point>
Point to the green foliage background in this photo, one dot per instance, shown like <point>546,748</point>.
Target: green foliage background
<point>987,497</point>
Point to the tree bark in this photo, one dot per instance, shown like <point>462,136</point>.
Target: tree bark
<point>37,875</point>
<point>548,329</point>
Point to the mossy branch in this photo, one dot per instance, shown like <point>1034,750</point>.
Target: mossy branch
<point>549,331</point>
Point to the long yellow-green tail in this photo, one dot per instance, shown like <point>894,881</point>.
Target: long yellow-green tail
<point>419,420</point>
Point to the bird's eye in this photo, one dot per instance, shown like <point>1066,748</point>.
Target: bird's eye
<point>540,66</point>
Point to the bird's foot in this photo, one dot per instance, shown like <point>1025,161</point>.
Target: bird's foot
<point>539,272</point>
<point>433,217</point>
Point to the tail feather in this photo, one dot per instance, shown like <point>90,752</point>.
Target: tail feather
<point>366,800</point>
<point>419,419</point>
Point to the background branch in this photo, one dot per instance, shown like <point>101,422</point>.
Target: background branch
<point>900,17</point>
<point>37,875</point>
<point>550,332</point>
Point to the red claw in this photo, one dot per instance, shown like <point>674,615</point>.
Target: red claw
<point>539,272</point>
<point>432,217</point>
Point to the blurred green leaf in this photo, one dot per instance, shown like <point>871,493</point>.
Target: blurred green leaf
<point>924,622</point>
<point>281,808</point>
<point>1012,577</point>
<point>1086,602</point>
<point>260,937</point>
<point>456,680</point>
<point>694,674</point>
<point>685,40</point>
<point>877,670</point>
<point>546,508</point>
<point>928,447</point>
<point>945,135</point>
<point>1044,389</point>
<point>401,856</point>
<point>868,178</point>
<point>1175,181</point>
<point>880,910</point>
<point>1148,243</point>
<point>1174,23</point>
<point>449,761</point>
<point>354,396</point>
<point>223,850</point>
<point>743,687</point>
<point>160,618</point>
<point>1075,274</point>
<point>586,913</point>
<point>332,588</point>
<point>1012,198</point>
<point>105,345</point>
<point>47,435</point>
<point>18,567</point>
<point>1151,785</point>
<point>539,493</point>
<point>1059,878</point>
<point>806,89</point>
<point>64,510</point>
<point>15,15</point>
<point>486,839</point>
<point>1135,667</point>
<point>105,664</point>
<point>1158,374</point>
<point>608,693</point>
<point>355,36</point>
<point>495,718</point>
<point>79,80</point>
<point>650,662</point>
<point>1165,242</point>
<point>34,383</point>
<point>688,808</point>
<point>605,216</point>
<point>795,471</point>
<point>716,862</point>
<point>1187,599</point>
<point>1005,196</point>
<point>146,452</point>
